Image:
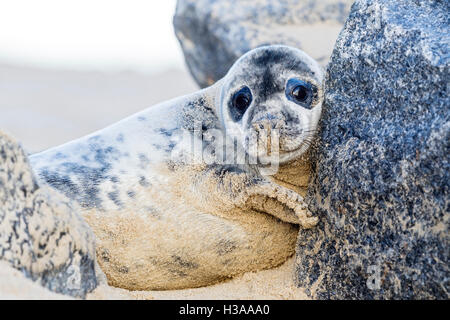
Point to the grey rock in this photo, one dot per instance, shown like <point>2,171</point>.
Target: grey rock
<point>381,175</point>
<point>215,33</point>
<point>41,232</point>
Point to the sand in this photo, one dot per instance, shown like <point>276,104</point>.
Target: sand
<point>274,284</point>
<point>13,285</point>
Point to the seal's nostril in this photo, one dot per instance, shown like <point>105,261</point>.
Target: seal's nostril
<point>268,125</point>
<point>277,125</point>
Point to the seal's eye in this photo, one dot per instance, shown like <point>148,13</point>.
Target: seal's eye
<point>300,92</point>
<point>240,102</point>
<point>242,99</point>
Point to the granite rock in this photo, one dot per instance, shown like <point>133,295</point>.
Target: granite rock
<point>41,232</point>
<point>381,172</point>
<point>215,33</point>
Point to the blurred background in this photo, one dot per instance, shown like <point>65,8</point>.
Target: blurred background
<point>70,67</point>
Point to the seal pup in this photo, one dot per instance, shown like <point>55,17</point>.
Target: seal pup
<point>170,203</point>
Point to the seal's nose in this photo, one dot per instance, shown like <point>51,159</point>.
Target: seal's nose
<point>267,134</point>
<point>267,122</point>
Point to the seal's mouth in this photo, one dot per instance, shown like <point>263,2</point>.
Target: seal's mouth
<point>272,141</point>
<point>267,150</point>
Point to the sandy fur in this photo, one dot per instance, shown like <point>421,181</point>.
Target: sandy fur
<point>180,244</point>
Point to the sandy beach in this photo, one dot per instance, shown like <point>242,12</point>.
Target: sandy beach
<point>273,284</point>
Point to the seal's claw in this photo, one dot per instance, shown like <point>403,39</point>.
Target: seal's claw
<point>306,219</point>
<point>288,198</point>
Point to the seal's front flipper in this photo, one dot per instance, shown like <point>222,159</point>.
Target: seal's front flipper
<point>227,187</point>
<point>281,202</point>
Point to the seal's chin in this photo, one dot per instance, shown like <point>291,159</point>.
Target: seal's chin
<point>285,149</point>
<point>286,156</point>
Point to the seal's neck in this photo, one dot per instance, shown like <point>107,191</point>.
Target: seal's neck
<point>295,175</point>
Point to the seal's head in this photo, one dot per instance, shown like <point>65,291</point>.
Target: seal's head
<point>271,99</point>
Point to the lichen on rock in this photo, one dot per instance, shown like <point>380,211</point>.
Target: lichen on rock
<point>381,169</point>
<point>41,231</point>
